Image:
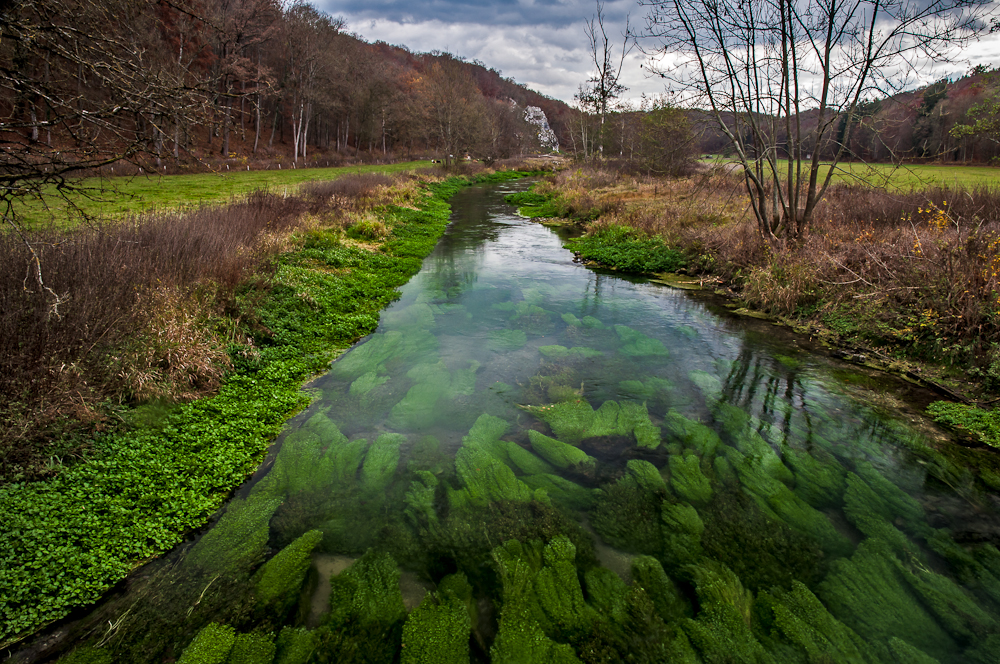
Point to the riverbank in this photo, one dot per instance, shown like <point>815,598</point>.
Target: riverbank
<point>904,282</point>
<point>337,256</point>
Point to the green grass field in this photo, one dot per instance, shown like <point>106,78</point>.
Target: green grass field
<point>114,197</point>
<point>906,177</point>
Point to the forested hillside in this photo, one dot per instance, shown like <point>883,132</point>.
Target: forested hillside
<point>85,83</point>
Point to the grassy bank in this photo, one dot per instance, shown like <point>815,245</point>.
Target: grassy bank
<point>906,281</point>
<point>297,286</point>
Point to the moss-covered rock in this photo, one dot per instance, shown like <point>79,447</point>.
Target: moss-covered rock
<point>278,582</point>
<point>210,646</point>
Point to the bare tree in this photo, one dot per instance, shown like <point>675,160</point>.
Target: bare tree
<point>604,86</point>
<point>778,76</point>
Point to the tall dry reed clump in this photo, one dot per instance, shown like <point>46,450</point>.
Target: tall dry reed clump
<point>913,273</point>
<point>138,316</point>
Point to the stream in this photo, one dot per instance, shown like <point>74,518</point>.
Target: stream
<point>534,461</point>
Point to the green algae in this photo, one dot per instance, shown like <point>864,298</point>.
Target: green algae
<point>682,530</point>
<point>503,341</point>
<point>626,513</point>
<point>484,480</point>
<point>648,574</point>
<point>819,479</point>
<point>699,437</point>
<point>650,388</point>
<point>366,383</point>
<point>563,493</point>
<point>295,646</point>
<point>574,421</point>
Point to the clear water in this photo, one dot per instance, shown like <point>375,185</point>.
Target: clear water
<point>556,464</point>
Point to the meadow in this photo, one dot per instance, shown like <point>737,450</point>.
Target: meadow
<point>902,178</point>
<point>104,197</point>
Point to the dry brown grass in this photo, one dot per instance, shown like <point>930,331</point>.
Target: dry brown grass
<point>914,272</point>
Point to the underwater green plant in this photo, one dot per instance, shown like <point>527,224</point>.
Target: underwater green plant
<point>695,435</point>
<point>562,492</point>
<point>819,479</point>
<point>295,645</point>
<point>484,480</point>
<point>648,574</point>
<point>722,632</point>
<point>420,501</point>
<point>885,498</point>
<point>904,653</point>
<point>867,593</point>
<point>238,540</point>
<point>637,344</point>
<point>381,461</point>
<point>626,512</point>
<point>557,352</point>
<point>803,620</point>
<point>504,341</point>
<point>710,385</point>
<point>437,631</point>
<point>682,529</point>
<point>279,580</point>
<point>88,655</point>
<point>366,383</point>
<point>687,480</point>
<point>210,646</point>
<point>252,648</point>
<point>560,454</point>
<point>418,409</point>
<point>520,637</point>
<point>650,388</point>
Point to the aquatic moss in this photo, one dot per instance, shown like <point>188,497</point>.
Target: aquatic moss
<point>819,479</point>
<point>626,513</point>
<point>381,462</point>
<point>563,493</point>
<point>562,610</point>
<point>648,574</point>
<point>366,383</point>
<point>279,580</point>
<point>969,568</point>
<point>637,344</point>
<point>238,540</point>
<point>463,381</point>
<point>560,454</point>
<point>867,593</point>
<point>557,352</point>
<point>804,621</point>
<point>687,480</point>
<point>503,341</point>
<point>650,388</point>
<point>569,420</point>
<point>886,498</point>
<point>520,637</point>
<point>710,385</point>
<point>721,632</point>
<point>252,648</point>
<point>295,646</point>
<point>420,500</point>
<point>907,654</point>
<point>369,592</point>
<point>699,437</point>
<point>211,645</point>
<point>645,476</point>
<point>308,460</point>
<point>571,320</point>
<point>418,409</point>
<point>682,529</point>
<point>607,593</point>
<point>753,446</point>
<point>88,655</point>
<point>573,421</point>
<point>437,631</point>
<point>765,553</point>
<point>485,479</point>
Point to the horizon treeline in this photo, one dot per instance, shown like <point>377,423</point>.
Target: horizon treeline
<point>95,81</point>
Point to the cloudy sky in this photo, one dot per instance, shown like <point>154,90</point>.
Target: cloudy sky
<point>539,43</point>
